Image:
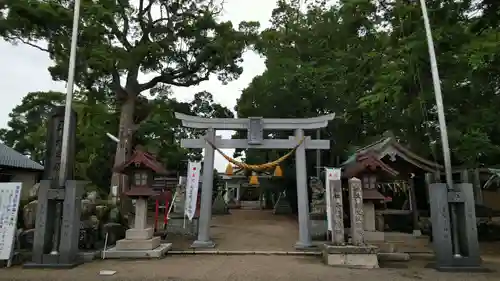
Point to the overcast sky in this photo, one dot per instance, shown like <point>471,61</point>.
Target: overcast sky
<point>24,69</point>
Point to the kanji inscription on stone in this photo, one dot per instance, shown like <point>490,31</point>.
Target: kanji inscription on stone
<point>337,210</point>
<point>356,211</point>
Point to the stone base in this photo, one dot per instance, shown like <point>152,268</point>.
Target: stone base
<point>51,265</point>
<point>374,236</point>
<point>158,252</point>
<point>350,256</point>
<point>52,261</point>
<point>203,244</point>
<point>303,247</point>
<point>127,244</point>
<point>139,234</point>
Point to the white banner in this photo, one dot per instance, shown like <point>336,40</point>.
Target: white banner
<point>10,195</point>
<point>332,174</point>
<point>192,185</point>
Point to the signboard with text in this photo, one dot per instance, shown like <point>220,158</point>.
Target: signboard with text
<point>10,194</point>
<point>332,174</point>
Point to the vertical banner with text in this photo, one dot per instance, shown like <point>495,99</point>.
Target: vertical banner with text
<point>10,196</point>
<point>192,185</point>
<point>332,174</point>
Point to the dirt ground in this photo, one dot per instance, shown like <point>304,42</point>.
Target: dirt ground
<point>236,268</point>
<point>248,230</point>
<point>261,230</point>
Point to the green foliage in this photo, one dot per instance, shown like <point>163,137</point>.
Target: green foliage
<point>182,41</point>
<point>370,65</point>
<point>160,133</point>
<point>178,43</point>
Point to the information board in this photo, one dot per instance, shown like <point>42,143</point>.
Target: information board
<point>10,194</point>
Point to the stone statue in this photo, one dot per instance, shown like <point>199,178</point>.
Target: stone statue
<point>318,199</point>
<point>98,217</point>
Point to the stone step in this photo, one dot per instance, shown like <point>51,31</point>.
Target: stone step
<point>126,244</point>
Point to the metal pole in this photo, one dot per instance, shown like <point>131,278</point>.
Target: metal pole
<point>67,116</point>
<point>318,156</point>
<point>442,121</point>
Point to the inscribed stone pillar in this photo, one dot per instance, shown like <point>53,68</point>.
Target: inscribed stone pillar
<point>356,210</point>
<point>302,194</point>
<point>203,240</point>
<point>141,214</point>
<point>337,212</point>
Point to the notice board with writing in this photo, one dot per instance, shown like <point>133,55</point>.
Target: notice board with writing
<point>10,195</point>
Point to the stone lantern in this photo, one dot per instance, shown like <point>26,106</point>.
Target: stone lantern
<point>139,241</point>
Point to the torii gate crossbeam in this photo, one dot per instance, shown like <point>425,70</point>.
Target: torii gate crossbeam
<point>255,127</point>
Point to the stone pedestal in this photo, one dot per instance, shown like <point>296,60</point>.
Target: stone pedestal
<point>350,256</point>
<point>139,241</point>
<point>369,223</point>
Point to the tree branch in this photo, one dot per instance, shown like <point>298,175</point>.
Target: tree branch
<point>171,80</point>
<point>116,86</point>
<point>14,40</point>
<point>122,36</point>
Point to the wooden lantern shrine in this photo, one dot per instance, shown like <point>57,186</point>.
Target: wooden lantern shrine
<point>141,169</point>
<point>367,166</point>
<point>139,241</point>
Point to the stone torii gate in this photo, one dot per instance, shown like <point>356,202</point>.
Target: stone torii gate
<point>255,127</point>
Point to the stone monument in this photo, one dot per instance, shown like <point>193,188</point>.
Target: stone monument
<point>139,241</point>
<point>57,228</point>
<point>318,215</point>
<point>355,254</point>
<point>456,244</point>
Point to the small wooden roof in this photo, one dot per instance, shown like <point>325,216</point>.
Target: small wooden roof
<point>389,146</point>
<point>366,161</point>
<point>138,159</point>
<point>372,194</point>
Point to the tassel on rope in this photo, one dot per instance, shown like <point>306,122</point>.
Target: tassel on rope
<point>254,180</point>
<point>278,172</point>
<point>229,169</point>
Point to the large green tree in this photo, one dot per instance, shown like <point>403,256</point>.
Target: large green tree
<point>27,132</point>
<point>160,133</point>
<point>177,43</point>
<point>369,64</point>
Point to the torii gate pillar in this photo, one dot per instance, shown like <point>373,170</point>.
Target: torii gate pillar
<point>302,194</point>
<point>255,127</point>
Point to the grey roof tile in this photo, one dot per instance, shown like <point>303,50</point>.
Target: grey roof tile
<point>10,157</point>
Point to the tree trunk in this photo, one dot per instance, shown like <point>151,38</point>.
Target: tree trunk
<point>123,150</point>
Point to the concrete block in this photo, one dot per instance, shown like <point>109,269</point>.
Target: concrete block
<point>350,256</point>
<point>139,234</point>
<point>158,252</point>
<point>126,244</point>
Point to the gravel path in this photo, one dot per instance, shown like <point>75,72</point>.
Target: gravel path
<point>235,268</point>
